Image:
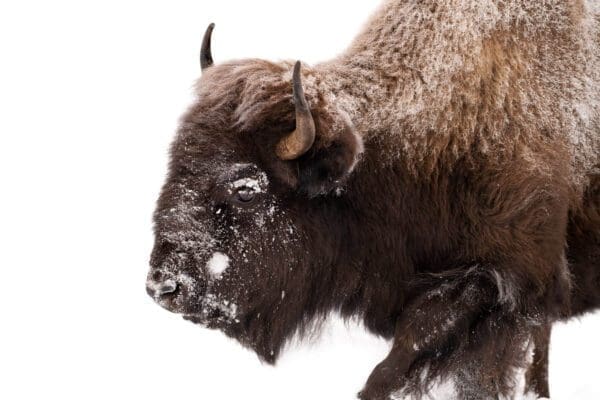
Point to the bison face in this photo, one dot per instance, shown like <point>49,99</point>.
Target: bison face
<point>223,241</point>
<point>237,220</point>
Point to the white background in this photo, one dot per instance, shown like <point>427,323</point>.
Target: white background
<point>90,94</point>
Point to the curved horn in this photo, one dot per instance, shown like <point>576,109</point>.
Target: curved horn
<point>302,138</point>
<point>206,59</point>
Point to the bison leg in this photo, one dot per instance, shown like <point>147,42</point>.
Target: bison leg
<point>584,251</point>
<point>584,260</point>
<point>537,373</point>
<point>465,319</point>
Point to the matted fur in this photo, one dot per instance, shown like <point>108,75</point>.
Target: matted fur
<point>453,181</point>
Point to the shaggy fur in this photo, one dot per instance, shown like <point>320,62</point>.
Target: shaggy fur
<point>453,182</point>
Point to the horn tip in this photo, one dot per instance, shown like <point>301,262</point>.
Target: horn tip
<point>297,68</point>
<point>206,59</point>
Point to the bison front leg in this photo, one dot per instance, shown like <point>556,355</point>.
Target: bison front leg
<point>459,319</point>
<point>537,374</point>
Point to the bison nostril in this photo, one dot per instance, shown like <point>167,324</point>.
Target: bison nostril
<point>167,287</point>
<point>161,289</point>
<point>157,276</point>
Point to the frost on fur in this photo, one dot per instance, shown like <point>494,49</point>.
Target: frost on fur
<point>442,186</point>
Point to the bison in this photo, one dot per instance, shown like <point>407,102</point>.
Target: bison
<point>439,180</point>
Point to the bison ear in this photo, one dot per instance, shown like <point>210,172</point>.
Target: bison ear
<point>323,148</point>
<point>333,157</point>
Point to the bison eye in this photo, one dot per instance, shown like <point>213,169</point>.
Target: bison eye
<point>245,195</point>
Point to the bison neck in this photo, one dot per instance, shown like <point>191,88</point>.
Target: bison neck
<point>384,229</point>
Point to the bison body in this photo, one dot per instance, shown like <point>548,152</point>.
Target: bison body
<point>442,182</point>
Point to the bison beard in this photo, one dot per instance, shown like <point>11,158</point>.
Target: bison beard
<point>439,180</point>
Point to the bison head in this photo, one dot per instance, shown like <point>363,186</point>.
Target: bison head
<point>248,216</point>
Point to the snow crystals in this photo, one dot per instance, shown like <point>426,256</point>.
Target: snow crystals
<point>217,264</point>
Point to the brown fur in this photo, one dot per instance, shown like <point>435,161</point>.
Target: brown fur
<point>453,179</point>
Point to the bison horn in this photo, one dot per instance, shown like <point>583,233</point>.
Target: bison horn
<point>302,138</point>
<point>206,59</point>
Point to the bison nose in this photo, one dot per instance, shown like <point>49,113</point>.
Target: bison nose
<point>161,289</point>
<point>167,287</point>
